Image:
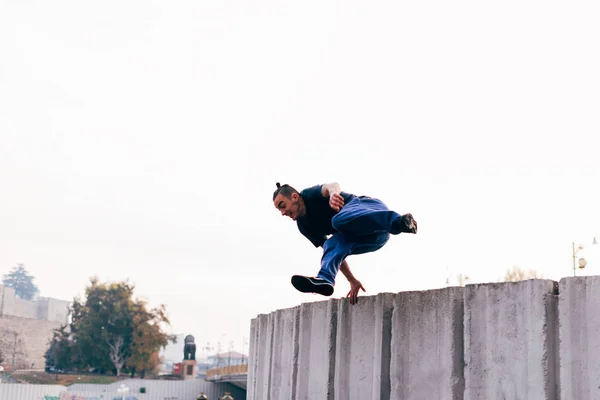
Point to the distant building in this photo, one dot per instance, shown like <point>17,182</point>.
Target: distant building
<point>26,328</point>
<point>227,359</point>
<point>173,352</point>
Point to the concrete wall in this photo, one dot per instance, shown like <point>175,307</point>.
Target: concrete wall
<point>579,331</point>
<point>33,323</point>
<point>510,340</point>
<point>44,308</point>
<point>58,310</point>
<point>26,340</point>
<point>534,339</point>
<point>427,345</point>
<point>16,307</point>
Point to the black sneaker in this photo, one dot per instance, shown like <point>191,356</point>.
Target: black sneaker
<point>406,224</point>
<point>306,284</point>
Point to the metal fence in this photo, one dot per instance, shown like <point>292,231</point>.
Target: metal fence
<point>161,390</point>
<point>154,390</point>
<point>15,391</point>
<point>215,373</point>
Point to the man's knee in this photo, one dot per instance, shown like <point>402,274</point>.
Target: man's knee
<point>336,222</point>
<point>371,243</point>
<point>342,220</point>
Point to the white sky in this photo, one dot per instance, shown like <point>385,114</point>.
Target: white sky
<point>142,140</point>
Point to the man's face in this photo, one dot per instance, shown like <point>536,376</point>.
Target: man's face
<point>289,207</point>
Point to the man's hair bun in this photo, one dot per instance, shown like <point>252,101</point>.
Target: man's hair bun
<point>285,189</point>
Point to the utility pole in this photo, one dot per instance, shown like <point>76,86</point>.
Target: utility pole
<point>16,348</point>
<point>14,352</point>
<point>3,289</point>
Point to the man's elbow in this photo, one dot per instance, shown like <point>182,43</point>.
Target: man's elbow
<point>330,188</point>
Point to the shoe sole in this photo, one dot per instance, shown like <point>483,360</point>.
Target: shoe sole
<point>305,285</point>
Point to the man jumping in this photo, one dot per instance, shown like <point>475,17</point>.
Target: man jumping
<point>357,225</point>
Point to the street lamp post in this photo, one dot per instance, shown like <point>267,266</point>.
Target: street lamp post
<point>575,251</point>
<point>582,261</point>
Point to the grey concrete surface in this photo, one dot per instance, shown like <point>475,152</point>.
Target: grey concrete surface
<point>259,363</point>
<point>427,345</point>
<point>284,354</point>
<point>579,327</point>
<point>316,351</point>
<point>497,341</point>
<point>508,335</point>
<point>362,357</point>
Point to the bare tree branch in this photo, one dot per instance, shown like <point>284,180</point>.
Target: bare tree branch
<point>517,274</point>
<point>117,353</point>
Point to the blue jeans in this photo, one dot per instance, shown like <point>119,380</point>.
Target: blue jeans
<point>363,225</point>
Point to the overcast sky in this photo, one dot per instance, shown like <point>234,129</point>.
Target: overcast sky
<point>142,140</point>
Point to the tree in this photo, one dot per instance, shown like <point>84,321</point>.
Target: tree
<point>2,351</point>
<point>516,274</point>
<point>110,330</point>
<point>60,352</point>
<point>148,338</point>
<point>117,352</point>
<point>20,280</point>
<point>102,325</point>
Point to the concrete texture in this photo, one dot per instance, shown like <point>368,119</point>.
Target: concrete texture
<point>259,368</point>
<point>579,328</point>
<point>284,354</point>
<point>25,341</point>
<point>44,308</point>
<point>26,327</point>
<point>317,328</point>
<point>510,335</point>
<point>486,342</point>
<point>427,345</point>
<point>362,356</point>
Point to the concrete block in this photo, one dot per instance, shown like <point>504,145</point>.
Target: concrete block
<point>259,365</point>
<point>252,359</point>
<point>316,351</point>
<point>427,345</point>
<point>579,332</point>
<point>362,357</point>
<point>510,341</point>
<point>284,354</point>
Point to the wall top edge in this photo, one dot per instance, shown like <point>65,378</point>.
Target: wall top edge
<point>470,287</point>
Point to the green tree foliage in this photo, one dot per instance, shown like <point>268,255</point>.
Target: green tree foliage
<point>102,324</point>
<point>110,330</point>
<point>20,280</point>
<point>59,354</point>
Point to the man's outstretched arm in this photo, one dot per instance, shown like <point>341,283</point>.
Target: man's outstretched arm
<point>333,190</point>
<point>355,284</point>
